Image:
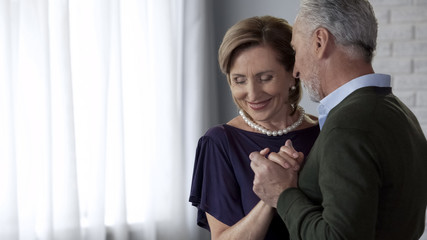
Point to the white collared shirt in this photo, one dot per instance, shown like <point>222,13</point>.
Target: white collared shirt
<point>335,97</point>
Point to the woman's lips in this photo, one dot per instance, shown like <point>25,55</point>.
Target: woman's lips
<point>258,105</point>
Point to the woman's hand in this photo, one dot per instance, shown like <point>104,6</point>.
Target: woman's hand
<point>275,173</point>
<point>287,157</point>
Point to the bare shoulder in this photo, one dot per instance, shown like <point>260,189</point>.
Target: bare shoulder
<point>309,121</point>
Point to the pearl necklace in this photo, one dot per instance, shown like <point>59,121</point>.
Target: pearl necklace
<point>274,133</point>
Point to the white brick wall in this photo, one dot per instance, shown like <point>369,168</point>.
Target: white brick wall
<point>420,65</point>
<point>421,31</point>
<point>402,52</point>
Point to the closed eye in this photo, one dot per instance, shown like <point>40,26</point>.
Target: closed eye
<point>239,80</point>
<point>266,77</point>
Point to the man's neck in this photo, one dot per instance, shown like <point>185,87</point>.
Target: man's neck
<point>340,70</point>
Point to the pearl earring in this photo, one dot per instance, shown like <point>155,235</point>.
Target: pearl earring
<point>293,88</point>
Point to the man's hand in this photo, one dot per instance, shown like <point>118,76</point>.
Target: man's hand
<point>275,174</point>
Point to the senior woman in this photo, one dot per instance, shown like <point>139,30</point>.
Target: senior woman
<point>257,58</point>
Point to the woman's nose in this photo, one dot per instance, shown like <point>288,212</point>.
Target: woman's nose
<point>253,90</point>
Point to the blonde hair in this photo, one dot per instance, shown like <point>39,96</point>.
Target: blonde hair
<point>255,31</point>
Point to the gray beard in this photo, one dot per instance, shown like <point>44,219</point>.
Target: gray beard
<point>313,89</point>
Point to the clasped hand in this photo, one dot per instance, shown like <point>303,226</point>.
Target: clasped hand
<point>276,172</point>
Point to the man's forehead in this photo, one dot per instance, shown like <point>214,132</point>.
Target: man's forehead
<point>296,25</point>
<point>295,33</point>
<point>297,29</point>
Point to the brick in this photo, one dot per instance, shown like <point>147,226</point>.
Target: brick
<point>375,3</point>
<point>393,65</point>
<point>383,15</point>
<point>421,2</point>
<point>396,32</point>
<point>407,97</point>
<point>384,49</point>
<point>421,98</point>
<point>410,48</point>
<point>410,82</point>
<point>421,114</point>
<point>424,127</point>
<point>408,14</point>
<point>420,65</point>
<point>421,31</point>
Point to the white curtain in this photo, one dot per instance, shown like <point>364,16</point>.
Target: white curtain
<point>101,106</point>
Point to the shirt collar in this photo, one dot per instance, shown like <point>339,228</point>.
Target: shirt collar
<point>335,97</point>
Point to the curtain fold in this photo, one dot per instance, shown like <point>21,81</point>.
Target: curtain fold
<point>89,45</point>
<point>32,119</point>
<point>65,206</point>
<point>101,106</point>
<point>200,110</point>
<point>115,160</point>
<point>8,181</point>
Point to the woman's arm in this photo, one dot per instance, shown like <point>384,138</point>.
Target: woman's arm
<point>252,226</point>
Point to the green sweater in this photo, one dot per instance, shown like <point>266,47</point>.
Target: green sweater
<point>366,175</point>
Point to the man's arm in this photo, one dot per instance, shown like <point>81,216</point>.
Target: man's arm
<point>349,181</point>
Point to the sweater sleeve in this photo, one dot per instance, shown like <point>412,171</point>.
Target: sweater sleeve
<point>349,180</point>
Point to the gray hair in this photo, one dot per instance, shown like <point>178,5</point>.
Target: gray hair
<point>351,22</point>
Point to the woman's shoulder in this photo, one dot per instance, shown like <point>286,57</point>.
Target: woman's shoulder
<point>226,132</point>
<point>215,140</point>
<point>233,125</point>
<point>311,118</point>
<point>216,133</point>
<point>310,121</point>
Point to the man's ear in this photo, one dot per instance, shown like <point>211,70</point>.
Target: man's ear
<point>322,39</point>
